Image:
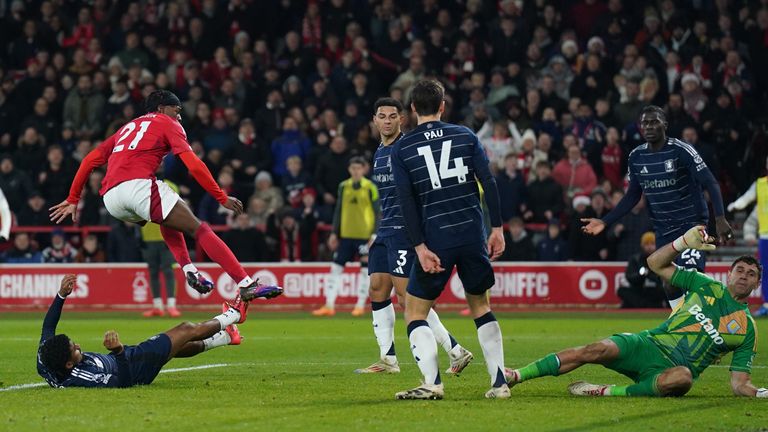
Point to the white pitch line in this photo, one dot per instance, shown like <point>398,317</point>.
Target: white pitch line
<point>22,386</point>
<point>184,369</point>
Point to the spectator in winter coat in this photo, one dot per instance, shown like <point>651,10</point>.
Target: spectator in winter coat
<point>646,290</point>
<point>553,247</point>
<point>545,196</point>
<point>519,245</point>
<point>574,174</point>
<point>611,159</point>
<point>291,143</point>
<point>512,190</point>
<point>23,251</point>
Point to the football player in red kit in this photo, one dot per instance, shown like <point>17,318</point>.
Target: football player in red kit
<point>133,194</point>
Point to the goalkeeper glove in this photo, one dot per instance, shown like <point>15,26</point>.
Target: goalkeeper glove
<point>694,238</point>
<point>762,393</point>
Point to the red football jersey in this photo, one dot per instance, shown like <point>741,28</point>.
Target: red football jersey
<point>137,149</point>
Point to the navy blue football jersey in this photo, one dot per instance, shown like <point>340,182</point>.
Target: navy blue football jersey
<point>435,168</point>
<point>671,180</point>
<point>391,217</point>
<point>95,370</point>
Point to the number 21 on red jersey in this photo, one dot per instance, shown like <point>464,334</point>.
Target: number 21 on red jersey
<point>127,131</point>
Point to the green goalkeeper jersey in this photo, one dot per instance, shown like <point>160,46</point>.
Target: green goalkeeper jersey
<point>708,325</point>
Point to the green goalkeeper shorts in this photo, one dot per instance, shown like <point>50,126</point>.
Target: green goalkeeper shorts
<point>639,358</point>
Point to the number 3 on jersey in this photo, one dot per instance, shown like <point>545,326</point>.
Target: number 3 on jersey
<point>126,131</point>
<point>459,170</point>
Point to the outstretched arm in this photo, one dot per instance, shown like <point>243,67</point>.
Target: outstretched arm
<point>703,176</point>
<point>483,174</point>
<point>595,226</point>
<point>661,261</point>
<point>741,384</point>
<point>203,176</point>
<point>51,319</point>
<point>96,158</point>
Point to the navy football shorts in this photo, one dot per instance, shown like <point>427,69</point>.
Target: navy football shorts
<point>349,249</point>
<point>689,258</point>
<point>391,254</point>
<point>147,358</point>
<point>472,265</point>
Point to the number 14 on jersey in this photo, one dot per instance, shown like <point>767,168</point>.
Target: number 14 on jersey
<point>459,170</point>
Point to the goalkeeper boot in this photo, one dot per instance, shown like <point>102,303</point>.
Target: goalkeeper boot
<point>424,392</point>
<point>238,305</point>
<point>462,360</point>
<point>199,283</point>
<point>256,290</point>
<point>501,392</point>
<point>381,366</point>
<point>583,388</point>
<point>234,334</point>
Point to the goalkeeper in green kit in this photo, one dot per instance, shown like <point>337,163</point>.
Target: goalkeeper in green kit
<point>713,321</point>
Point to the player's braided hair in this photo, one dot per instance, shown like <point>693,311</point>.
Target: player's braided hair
<point>55,354</point>
<point>648,109</point>
<point>749,260</point>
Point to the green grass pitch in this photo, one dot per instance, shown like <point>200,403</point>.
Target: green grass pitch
<point>294,372</point>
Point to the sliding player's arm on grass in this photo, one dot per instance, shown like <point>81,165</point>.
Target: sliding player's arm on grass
<point>486,179</point>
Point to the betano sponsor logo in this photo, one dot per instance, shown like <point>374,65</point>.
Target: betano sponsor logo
<point>658,183</point>
<point>706,324</point>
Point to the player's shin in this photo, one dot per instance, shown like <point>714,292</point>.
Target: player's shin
<point>384,328</point>
<point>424,350</point>
<point>646,387</point>
<point>228,317</point>
<point>332,284</point>
<point>364,283</point>
<point>219,339</point>
<point>546,366</point>
<point>489,335</point>
<point>178,247</point>
<point>441,333</point>
<point>221,254</point>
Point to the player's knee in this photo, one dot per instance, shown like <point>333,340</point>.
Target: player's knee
<point>676,381</point>
<point>594,352</point>
<point>186,326</point>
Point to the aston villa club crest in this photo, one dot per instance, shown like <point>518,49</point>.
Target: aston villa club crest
<point>669,165</point>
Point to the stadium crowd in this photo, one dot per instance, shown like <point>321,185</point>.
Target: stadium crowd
<point>552,88</point>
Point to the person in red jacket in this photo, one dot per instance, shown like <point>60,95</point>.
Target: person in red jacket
<point>574,174</point>
<point>133,194</point>
<point>611,159</point>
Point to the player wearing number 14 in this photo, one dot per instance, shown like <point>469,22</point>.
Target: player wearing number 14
<point>133,194</point>
<point>435,166</point>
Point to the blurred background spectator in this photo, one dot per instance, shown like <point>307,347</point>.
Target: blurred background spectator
<point>285,90</point>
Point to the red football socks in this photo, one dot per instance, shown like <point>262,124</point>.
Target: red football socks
<point>219,252</point>
<point>178,247</point>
